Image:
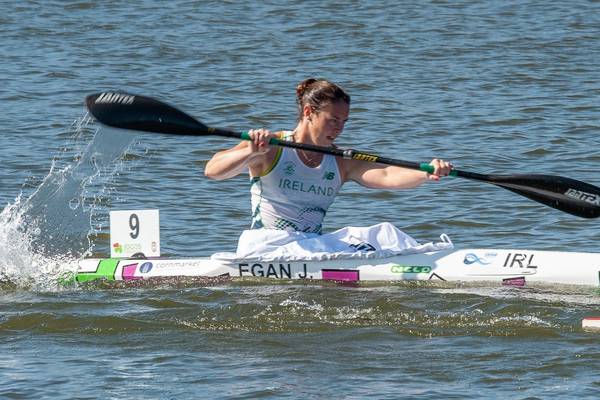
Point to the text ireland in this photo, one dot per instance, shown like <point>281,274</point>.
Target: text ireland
<point>298,186</point>
<point>274,270</point>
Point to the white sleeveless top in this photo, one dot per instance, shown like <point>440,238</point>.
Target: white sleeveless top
<point>292,196</point>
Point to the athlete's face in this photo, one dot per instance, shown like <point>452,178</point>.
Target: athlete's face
<point>327,123</point>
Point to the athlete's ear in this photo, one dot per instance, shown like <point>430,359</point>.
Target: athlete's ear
<point>307,111</point>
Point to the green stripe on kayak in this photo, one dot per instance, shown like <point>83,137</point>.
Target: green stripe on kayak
<point>106,269</point>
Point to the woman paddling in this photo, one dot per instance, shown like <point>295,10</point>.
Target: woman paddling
<point>292,189</point>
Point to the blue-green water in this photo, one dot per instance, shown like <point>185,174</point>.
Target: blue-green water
<point>495,87</point>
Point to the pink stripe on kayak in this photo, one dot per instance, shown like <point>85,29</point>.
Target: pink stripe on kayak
<point>129,272</point>
<point>346,275</point>
<point>519,281</point>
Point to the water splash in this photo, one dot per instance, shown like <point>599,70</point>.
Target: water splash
<point>42,236</point>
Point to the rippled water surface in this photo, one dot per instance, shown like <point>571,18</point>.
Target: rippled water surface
<point>495,87</point>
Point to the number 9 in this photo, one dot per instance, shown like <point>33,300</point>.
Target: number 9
<point>134,225</point>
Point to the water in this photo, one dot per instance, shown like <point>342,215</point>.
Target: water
<point>495,87</point>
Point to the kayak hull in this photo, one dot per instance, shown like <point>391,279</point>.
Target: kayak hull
<point>512,267</point>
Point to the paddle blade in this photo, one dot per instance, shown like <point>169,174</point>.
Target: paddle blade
<point>565,194</point>
<point>140,113</point>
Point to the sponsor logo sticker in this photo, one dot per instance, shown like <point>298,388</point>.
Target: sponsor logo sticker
<point>115,98</point>
<point>145,267</point>
<point>583,196</point>
<point>365,157</point>
<point>410,269</point>
<point>485,259</point>
<point>118,247</point>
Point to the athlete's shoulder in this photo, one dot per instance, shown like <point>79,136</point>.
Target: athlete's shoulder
<point>268,161</point>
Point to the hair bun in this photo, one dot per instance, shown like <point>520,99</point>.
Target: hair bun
<point>303,86</point>
<point>317,93</point>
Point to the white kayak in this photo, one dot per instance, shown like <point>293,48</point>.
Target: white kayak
<point>511,267</point>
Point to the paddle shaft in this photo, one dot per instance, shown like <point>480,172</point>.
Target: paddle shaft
<point>348,154</point>
<point>344,153</point>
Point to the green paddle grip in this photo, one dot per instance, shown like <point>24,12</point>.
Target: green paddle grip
<point>246,136</point>
<point>429,169</point>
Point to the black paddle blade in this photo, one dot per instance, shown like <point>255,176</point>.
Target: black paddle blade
<point>565,194</point>
<point>140,113</point>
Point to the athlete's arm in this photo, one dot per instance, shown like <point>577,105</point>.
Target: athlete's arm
<point>380,176</point>
<point>255,156</point>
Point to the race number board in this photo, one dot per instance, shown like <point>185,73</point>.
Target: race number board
<point>133,232</point>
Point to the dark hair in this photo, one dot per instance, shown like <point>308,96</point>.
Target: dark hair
<point>317,93</point>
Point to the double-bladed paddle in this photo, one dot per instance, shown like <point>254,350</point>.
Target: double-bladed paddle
<point>140,113</point>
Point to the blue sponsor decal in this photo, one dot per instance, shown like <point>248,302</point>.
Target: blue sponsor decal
<point>145,267</point>
<point>486,259</point>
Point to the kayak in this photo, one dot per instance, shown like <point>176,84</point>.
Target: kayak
<point>508,267</point>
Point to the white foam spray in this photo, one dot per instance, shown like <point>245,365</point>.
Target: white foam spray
<point>43,235</point>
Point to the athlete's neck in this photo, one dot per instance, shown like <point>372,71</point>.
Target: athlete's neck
<point>302,134</point>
